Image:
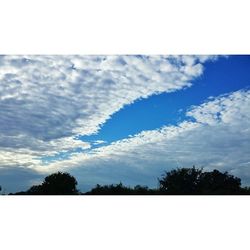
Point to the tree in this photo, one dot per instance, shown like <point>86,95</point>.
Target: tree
<point>55,184</point>
<point>113,189</point>
<point>59,183</point>
<point>138,189</point>
<point>195,181</point>
<point>180,181</point>
<point>216,182</point>
<point>120,189</point>
<point>36,190</point>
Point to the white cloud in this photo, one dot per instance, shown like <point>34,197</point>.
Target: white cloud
<point>98,142</point>
<point>225,109</point>
<point>46,100</point>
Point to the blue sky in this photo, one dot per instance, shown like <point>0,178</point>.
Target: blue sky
<point>107,119</point>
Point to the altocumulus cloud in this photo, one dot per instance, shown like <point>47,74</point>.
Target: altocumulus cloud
<point>47,101</point>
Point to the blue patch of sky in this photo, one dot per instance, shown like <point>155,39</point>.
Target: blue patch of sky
<point>219,77</point>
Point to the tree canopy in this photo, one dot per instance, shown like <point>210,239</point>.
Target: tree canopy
<point>55,184</point>
<point>120,189</point>
<point>195,181</point>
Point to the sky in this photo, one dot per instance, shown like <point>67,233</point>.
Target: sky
<point>125,118</point>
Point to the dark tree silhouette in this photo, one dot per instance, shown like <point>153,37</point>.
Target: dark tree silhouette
<point>216,182</point>
<point>120,189</point>
<point>59,183</point>
<point>195,181</point>
<point>55,184</point>
<point>138,189</point>
<point>113,189</point>
<point>36,190</point>
<point>180,181</point>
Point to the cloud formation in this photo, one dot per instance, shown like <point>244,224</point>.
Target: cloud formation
<point>45,101</point>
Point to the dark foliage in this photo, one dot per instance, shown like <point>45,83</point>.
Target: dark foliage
<point>216,182</point>
<point>181,181</point>
<point>36,190</point>
<point>195,181</point>
<point>55,184</point>
<point>59,183</point>
<point>120,189</point>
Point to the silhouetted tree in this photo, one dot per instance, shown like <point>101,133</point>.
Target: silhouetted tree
<point>195,181</point>
<point>181,181</point>
<point>113,189</point>
<point>138,189</point>
<point>36,190</point>
<point>216,182</point>
<point>55,184</point>
<point>245,190</point>
<point>120,189</point>
<point>59,183</point>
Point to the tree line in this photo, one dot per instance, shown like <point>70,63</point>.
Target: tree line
<point>180,181</point>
